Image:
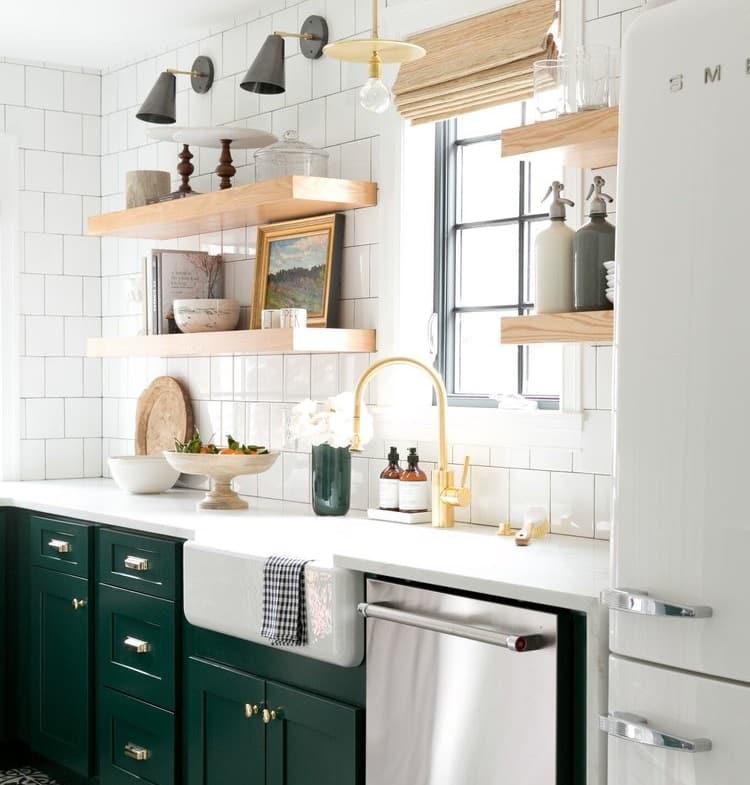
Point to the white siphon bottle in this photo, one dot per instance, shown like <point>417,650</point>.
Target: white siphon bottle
<point>555,258</point>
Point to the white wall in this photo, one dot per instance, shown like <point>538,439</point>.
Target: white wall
<point>247,395</point>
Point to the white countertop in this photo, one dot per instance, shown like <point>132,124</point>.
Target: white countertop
<point>562,571</point>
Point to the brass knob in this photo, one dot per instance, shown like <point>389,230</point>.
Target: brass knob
<point>251,709</point>
<point>269,715</point>
<point>78,604</point>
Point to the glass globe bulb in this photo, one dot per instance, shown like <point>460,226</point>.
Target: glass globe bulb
<point>375,96</point>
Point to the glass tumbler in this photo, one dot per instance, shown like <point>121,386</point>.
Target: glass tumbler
<point>592,77</point>
<point>550,88</point>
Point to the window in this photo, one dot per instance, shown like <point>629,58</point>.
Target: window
<point>488,214</point>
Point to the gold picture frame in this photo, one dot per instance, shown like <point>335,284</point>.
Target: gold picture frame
<point>298,265</point>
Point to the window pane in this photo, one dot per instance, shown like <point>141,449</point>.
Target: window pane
<point>542,173</point>
<point>487,266</point>
<point>483,365</point>
<point>488,184</point>
<point>488,121</point>
<point>543,369</point>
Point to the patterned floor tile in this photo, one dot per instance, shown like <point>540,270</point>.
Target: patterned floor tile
<point>25,775</point>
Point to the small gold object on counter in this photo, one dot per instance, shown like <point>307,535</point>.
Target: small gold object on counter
<point>504,530</point>
<point>445,495</point>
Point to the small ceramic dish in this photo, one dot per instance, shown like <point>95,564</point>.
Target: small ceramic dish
<point>205,316</point>
<point>221,469</point>
<point>142,473</point>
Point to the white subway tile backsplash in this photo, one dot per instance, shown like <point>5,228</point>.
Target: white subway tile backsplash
<point>43,171</point>
<point>602,506</point>
<point>234,51</point>
<point>271,482</point>
<point>528,489</point>
<point>44,88</point>
<point>512,457</point>
<point>31,378</point>
<point>45,418</point>
<point>366,226</point>
<point>92,457</point>
<point>32,294</point>
<point>233,421</point>
<point>551,459</point>
<point>258,423</point>
<point>270,377</point>
<point>607,7</point>
<point>92,377</point>
<point>81,255</point>
<point>77,331</point>
<point>296,377</point>
<point>63,132</point>
<point>340,113</point>
<point>222,103</point>
<point>595,456</point>
<point>63,295</point>
<point>12,84</point>
<point>355,272</point>
<point>31,211</point>
<point>604,31</point>
<point>82,418</point>
<point>44,336</point>
<point>32,455</point>
<point>63,213</point>
<point>324,376</point>
<point>490,495</point>
<point>82,93</point>
<point>246,378</point>
<point>199,377</point>
<point>572,502</point>
<point>312,122</point>
<point>27,124</point>
<point>604,377</point>
<point>222,378</point>
<point>296,479</point>
<point>64,458</point>
<point>81,174</point>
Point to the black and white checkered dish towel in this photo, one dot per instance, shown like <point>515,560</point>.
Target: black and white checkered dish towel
<point>284,609</point>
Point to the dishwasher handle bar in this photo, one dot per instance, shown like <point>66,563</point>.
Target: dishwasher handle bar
<point>517,643</point>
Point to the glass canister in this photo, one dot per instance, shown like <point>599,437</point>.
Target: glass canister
<point>288,156</point>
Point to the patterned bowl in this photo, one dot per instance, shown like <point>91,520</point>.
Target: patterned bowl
<point>206,316</point>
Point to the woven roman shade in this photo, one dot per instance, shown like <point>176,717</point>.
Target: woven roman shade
<point>479,62</point>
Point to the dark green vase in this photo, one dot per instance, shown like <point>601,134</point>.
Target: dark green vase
<point>331,479</point>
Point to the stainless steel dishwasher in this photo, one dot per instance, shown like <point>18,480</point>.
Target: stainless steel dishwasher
<point>462,691</point>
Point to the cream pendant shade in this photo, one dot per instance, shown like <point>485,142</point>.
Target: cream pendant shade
<point>476,63</point>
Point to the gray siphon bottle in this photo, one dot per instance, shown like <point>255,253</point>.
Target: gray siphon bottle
<point>593,244</point>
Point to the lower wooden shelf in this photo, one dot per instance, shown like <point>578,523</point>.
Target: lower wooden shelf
<point>577,327</point>
<point>308,340</point>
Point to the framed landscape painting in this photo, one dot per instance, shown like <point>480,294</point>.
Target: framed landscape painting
<point>298,265</point>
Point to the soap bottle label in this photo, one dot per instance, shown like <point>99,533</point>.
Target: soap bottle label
<point>413,496</point>
<point>389,494</point>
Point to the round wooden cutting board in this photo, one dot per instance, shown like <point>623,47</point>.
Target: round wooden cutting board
<point>164,413</point>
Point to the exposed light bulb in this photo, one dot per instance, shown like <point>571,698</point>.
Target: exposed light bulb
<point>375,96</point>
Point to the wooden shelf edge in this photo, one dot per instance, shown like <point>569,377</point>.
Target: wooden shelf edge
<point>284,198</point>
<point>309,340</point>
<point>582,139</point>
<point>578,327</point>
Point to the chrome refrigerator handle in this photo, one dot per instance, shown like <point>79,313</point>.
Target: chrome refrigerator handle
<point>639,602</point>
<point>517,643</point>
<point>630,727</point>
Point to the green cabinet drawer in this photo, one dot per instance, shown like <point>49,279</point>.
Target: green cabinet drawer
<point>225,738</point>
<point>136,645</point>
<point>60,678</point>
<point>60,545</point>
<point>145,564</point>
<point>136,741</point>
<point>312,740</point>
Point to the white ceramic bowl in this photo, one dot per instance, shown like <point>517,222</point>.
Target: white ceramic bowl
<point>142,473</point>
<point>206,316</point>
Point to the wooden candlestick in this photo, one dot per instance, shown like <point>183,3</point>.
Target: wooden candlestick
<point>185,169</point>
<point>225,170</point>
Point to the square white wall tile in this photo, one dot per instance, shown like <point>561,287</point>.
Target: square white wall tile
<point>324,376</point>
<point>64,458</point>
<point>32,458</point>
<point>45,418</point>
<point>83,417</point>
<point>340,114</point>
<point>572,503</point>
<point>63,214</point>
<point>77,331</point>
<point>82,255</point>
<point>355,272</point>
<point>27,124</point>
<point>44,171</point>
<point>44,336</point>
<point>63,132</point>
<point>81,174</point>
<point>527,489</point>
<point>595,456</point>
<point>92,457</point>
<point>63,295</point>
<point>63,377</point>
<point>32,377</point>
<point>82,93</point>
<point>602,506</point>
<point>296,377</point>
<point>490,495</point>
<point>360,489</point>
<point>271,482</point>
<point>551,459</point>
<point>296,477</point>
<point>44,88</point>
<point>92,377</point>
<point>32,294</point>
<point>270,377</point>
<point>12,84</point>
<point>511,457</point>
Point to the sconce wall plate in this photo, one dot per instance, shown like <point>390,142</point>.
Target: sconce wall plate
<point>202,76</point>
<point>316,26</point>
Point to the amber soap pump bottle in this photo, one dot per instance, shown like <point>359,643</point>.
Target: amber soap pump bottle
<point>389,482</point>
<point>413,489</point>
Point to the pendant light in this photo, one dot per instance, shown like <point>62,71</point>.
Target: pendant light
<point>374,95</point>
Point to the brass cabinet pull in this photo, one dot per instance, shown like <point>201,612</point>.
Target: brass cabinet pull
<point>78,604</point>
<point>136,645</point>
<point>136,752</point>
<point>270,715</point>
<point>251,709</point>
<point>61,546</point>
<point>136,563</point>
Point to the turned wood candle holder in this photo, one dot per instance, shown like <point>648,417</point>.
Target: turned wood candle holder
<point>225,170</point>
<point>185,168</point>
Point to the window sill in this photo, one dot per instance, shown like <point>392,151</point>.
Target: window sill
<point>485,427</point>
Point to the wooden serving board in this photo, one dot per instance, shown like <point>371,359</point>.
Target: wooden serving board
<point>164,413</point>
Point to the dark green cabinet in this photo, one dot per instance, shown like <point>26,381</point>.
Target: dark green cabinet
<point>242,729</point>
<point>5,632</point>
<point>60,683</point>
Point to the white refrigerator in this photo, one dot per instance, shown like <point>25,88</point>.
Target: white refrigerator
<point>679,699</point>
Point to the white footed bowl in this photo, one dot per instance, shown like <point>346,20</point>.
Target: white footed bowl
<point>206,316</point>
<point>222,469</point>
<point>142,473</point>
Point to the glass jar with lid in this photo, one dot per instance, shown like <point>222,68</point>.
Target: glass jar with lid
<point>288,156</point>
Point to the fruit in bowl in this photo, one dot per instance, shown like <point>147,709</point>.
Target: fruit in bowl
<point>221,465</point>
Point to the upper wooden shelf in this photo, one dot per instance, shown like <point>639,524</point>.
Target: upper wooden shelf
<point>578,327</point>
<point>242,205</point>
<point>584,139</point>
<point>311,340</point>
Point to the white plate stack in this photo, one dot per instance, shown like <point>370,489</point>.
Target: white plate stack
<point>610,292</point>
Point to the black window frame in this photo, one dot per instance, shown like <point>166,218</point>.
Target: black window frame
<point>447,227</point>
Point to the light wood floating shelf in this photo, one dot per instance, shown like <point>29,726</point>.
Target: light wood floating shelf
<point>578,327</point>
<point>243,205</point>
<point>583,139</point>
<point>312,340</point>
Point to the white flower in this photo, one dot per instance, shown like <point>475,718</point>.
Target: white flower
<point>330,422</point>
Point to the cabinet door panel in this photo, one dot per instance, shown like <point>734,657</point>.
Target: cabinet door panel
<point>314,741</point>
<point>224,745</point>
<point>60,682</point>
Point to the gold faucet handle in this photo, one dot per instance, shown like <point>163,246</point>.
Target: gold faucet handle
<point>461,496</point>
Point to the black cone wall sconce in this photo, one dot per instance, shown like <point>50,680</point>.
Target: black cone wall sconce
<point>266,75</point>
<point>159,106</point>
